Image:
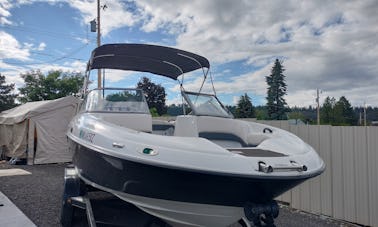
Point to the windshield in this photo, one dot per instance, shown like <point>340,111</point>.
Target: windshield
<point>116,100</point>
<point>205,105</point>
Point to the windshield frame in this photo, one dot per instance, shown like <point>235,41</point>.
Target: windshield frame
<point>224,112</point>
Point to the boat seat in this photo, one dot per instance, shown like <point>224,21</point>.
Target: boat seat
<point>186,125</point>
<point>224,139</point>
<point>228,132</point>
<point>225,132</point>
<point>163,127</point>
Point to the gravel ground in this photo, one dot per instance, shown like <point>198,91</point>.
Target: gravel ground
<point>39,197</point>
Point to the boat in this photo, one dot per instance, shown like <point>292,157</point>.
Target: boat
<point>205,168</point>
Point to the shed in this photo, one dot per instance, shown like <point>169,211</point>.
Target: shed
<point>37,130</point>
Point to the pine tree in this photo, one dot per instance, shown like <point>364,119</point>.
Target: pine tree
<point>6,97</point>
<point>327,111</point>
<point>337,113</point>
<point>343,112</point>
<point>244,108</point>
<point>276,91</point>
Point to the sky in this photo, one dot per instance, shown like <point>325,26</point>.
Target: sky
<point>327,45</point>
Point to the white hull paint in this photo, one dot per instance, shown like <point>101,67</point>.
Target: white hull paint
<point>186,214</point>
<point>180,214</point>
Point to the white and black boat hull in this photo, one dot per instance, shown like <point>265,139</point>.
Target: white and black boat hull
<point>177,195</point>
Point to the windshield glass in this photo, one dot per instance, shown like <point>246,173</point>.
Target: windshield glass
<point>205,104</point>
<point>116,100</point>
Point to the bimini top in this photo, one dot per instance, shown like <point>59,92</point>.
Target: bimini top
<point>165,61</point>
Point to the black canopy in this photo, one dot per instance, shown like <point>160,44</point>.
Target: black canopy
<point>165,61</point>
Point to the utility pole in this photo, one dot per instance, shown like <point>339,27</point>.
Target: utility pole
<point>318,107</point>
<point>98,42</point>
<point>365,114</point>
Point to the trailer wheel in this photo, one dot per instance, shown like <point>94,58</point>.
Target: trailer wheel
<point>72,187</point>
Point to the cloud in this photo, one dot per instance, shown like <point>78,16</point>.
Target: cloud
<point>83,40</point>
<point>176,100</point>
<point>31,46</point>
<point>13,77</point>
<point>235,100</point>
<point>332,46</point>
<point>4,12</point>
<point>10,48</point>
<point>114,16</point>
<point>114,76</point>
<point>41,46</point>
<point>253,83</point>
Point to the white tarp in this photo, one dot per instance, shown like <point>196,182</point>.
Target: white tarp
<point>42,124</point>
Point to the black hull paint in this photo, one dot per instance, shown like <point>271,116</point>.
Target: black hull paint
<point>174,184</point>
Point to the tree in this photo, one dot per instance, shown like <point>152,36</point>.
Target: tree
<point>55,84</point>
<point>154,112</point>
<point>122,97</point>
<point>232,109</point>
<point>174,110</point>
<point>276,91</point>
<point>155,95</point>
<point>337,113</point>
<point>327,111</point>
<point>261,113</point>
<point>6,96</point>
<point>297,115</point>
<point>343,112</point>
<point>244,108</point>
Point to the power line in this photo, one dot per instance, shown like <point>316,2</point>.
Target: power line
<point>54,56</point>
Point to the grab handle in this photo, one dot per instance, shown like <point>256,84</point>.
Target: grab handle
<point>263,167</point>
<point>267,129</point>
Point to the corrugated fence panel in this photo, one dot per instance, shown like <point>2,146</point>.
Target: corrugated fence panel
<point>361,174</point>
<point>303,131</point>
<point>373,174</point>
<point>348,174</point>
<point>337,173</point>
<point>315,184</point>
<point>326,178</point>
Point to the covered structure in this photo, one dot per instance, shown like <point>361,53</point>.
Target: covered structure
<point>37,130</point>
